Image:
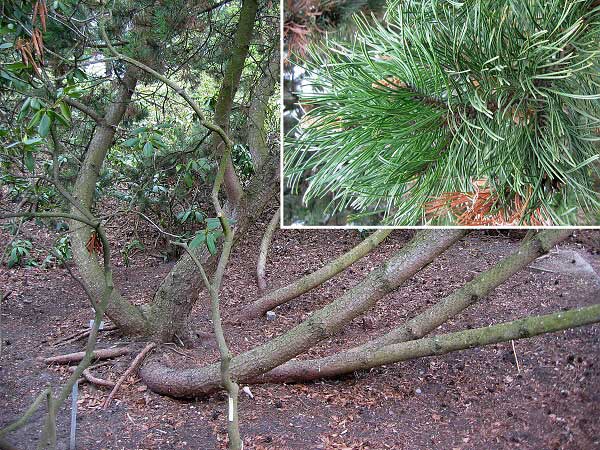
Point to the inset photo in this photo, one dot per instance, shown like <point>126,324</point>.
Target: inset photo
<point>441,113</point>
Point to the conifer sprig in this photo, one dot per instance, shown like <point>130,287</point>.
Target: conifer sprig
<point>447,98</point>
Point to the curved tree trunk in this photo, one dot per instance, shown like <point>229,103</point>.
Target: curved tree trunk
<point>175,297</point>
<point>125,315</point>
<point>284,294</point>
<point>419,252</point>
<point>261,279</point>
<point>445,343</point>
<point>424,323</point>
<point>166,316</point>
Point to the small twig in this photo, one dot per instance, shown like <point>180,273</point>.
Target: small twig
<point>173,348</point>
<point>515,353</point>
<point>80,335</point>
<point>132,368</point>
<point>87,374</point>
<point>104,353</point>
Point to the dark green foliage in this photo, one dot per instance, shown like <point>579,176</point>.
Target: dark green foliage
<point>448,98</point>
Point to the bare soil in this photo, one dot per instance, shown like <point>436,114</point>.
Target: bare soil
<point>468,400</point>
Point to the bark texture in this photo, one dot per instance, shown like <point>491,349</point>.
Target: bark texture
<point>170,309</point>
<point>261,265</point>
<point>229,87</point>
<point>422,249</point>
<point>286,293</point>
<point>257,136</point>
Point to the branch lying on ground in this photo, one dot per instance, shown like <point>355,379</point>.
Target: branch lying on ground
<point>418,253</point>
<point>428,320</point>
<point>91,378</point>
<point>80,335</point>
<point>461,340</point>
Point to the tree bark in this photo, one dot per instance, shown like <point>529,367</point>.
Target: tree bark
<point>166,316</point>
<point>445,343</point>
<point>257,136</point>
<point>421,325</point>
<point>229,87</point>
<point>261,278</point>
<point>284,294</point>
<point>175,297</point>
<point>419,252</point>
<point>124,314</point>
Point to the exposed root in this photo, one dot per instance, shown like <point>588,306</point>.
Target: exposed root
<point>104,353</point>
<point>132,368</point>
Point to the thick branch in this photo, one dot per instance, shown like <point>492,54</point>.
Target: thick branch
<point>229,87</point>
<point>90,112</point>
<point>97,354</point>
<point>125,315</point>
<point>257,136</point>
<point>431,318</point>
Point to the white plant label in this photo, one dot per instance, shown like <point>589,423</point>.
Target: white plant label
<point>230,409</point>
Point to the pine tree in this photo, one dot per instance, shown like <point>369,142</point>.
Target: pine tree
<point>448,112</point>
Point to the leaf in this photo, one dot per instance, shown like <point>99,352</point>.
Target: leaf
<point>211,243</point>
<point>132,142</point>
<point>24,109</point>
<point>44,126</point>
<point>198,240</point>
<point>32,141</point>
<point>183,215</point>
<point>35,119</point>
<point>65,110</point>
<point>213,223</point>
<point>13,259</point>
<point>29,161</point>
<point>187,178</point>
<point>148,150</point>
<point>60,118</point>
<point>6,45</point>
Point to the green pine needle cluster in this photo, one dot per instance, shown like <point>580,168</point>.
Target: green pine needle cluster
<point>455,97</point>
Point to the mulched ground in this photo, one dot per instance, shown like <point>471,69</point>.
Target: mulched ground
<point>468,400</point>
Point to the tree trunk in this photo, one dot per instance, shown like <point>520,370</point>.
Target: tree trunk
<point>422,249</point>
<point>421,325</point>
<point>257,136</point>
<point>445,343</point>
<point>284,294</point>
<point>125,315</point>
<point>172,304</point>
<point>166,316</point>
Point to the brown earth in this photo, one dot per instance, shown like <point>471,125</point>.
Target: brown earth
<point>468,400</point>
